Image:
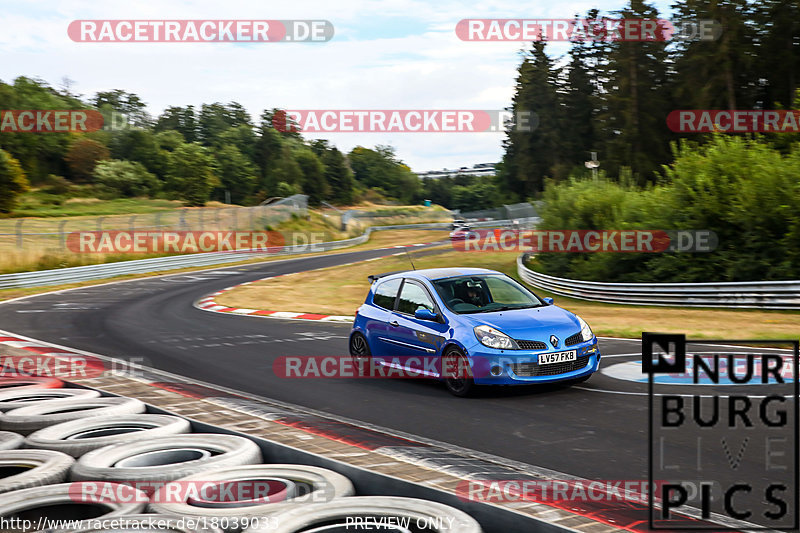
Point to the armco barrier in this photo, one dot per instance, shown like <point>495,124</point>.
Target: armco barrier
<point>141,266</point>
<point>750,294</point>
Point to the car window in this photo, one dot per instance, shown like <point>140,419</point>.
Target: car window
<point>483,294</point>
<point>386,293</point>
<point>506,293</point>
<point>414,297</point>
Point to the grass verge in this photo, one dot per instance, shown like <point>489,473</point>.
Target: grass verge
<point>340,290</point>
<point>377,240</point>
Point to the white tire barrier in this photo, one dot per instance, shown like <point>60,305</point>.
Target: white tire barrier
<point>58,502</point>
<point>23,469</point>
<point>26,420</point>
<point>31,382</point>
<point>361,513</point>
<point>165,458</point>
<point>22,397</point>
<point>78,437</point>
<point>247,491</point>
<point>10,441</point>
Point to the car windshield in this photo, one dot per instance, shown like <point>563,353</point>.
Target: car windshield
<point>484,294</point>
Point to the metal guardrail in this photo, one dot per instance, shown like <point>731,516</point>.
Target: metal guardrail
<point>748,294</point>
<point>142,266</point>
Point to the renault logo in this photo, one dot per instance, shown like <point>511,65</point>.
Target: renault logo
<point>554,341</point>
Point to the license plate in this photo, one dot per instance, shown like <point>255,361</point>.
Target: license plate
<point>558,357</point>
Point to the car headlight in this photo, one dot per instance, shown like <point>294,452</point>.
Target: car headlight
<point>492,338</point>
<point>586,331</point>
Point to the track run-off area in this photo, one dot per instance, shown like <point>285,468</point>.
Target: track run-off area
<point>596,430</point>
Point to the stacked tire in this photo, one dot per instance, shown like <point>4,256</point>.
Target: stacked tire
<point>105,463</point>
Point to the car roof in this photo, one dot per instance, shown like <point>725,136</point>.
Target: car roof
<point>439,273</point>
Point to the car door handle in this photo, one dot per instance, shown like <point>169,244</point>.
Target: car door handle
<point>394,323</point>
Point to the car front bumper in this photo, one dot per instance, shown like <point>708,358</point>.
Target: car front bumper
<point>490,366</point>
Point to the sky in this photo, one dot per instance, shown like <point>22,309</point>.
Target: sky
<point>385,54</point>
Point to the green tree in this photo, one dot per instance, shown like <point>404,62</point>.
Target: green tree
<point>125,178</point>
<point>12,182</point>
<point>380,169</point>
<point>83,156</point>
<point>531,156</point>
<point>719,73</point>
<point>126,103</point>
<point>217,118</point>
<point>314,183</point>
<point>636,102</point>
<point>191,173</point>
<point>39,155</point>
<point>578,99</point>
<point>267,151</point>
<point>237,175</point>
<point>142,146</point>
<point>169,140</point>
<point>181,119</point>
<point>337,173</point>
<point>777,58</point>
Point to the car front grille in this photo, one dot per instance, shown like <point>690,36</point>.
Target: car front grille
<point>528,370</point>
<point>531,345</point>
<point>572,340</point>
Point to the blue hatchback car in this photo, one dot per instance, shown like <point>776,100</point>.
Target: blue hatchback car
<point>468,327</point>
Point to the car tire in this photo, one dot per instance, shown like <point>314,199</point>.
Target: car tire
<point>10,440</point>
<point>29,382</point>
<point>457,385</point>
<point>78,437</point>
<point>360,353</point>
<point>36,468</point>
<point>331,514</point>
<point>38,502</point>
<point>318,485</point>
<point>146,461</point>
<point>26,420</point>
<point>23,397</point>
<point>141,523</point>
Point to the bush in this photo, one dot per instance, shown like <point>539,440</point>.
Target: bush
<point>83,156</point>
<point>12,182</point>
<point>125,178</point>
<point>58,185</point>
<point>743,190</point>
<point>285,189</point>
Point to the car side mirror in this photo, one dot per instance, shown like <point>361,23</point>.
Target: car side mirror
<point>426,314</point>
<point>548,301</point>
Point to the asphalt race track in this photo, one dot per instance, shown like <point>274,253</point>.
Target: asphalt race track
<point>597,430</point>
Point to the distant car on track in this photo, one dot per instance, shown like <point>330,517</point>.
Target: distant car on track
<point>461,233</point>
<point>440,320</point>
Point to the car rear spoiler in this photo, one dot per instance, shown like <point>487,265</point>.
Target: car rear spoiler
<point>375,277</point>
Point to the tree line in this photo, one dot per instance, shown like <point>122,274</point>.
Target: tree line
<point>613,97</point>
<point>217,152</point>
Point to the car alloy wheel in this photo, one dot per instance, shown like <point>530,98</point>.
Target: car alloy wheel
<point>360,353</point>
<point>454,366</point>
